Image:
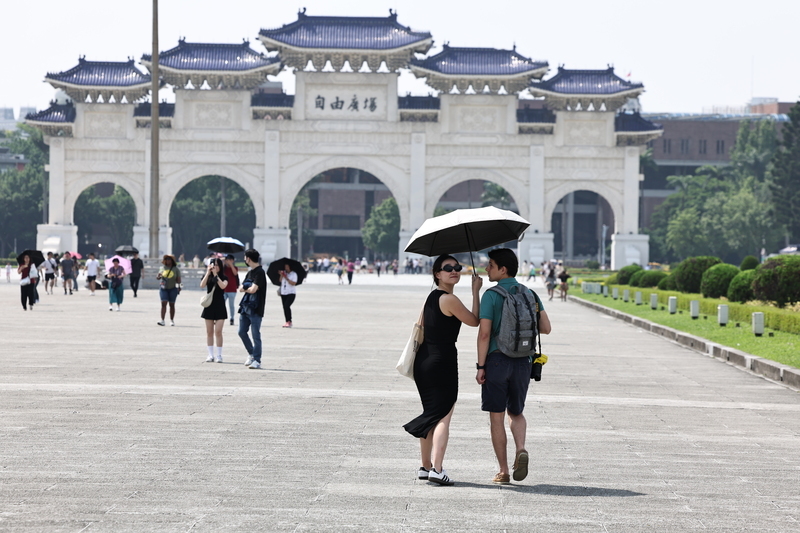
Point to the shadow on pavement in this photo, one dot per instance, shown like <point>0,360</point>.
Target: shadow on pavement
<point>557,490</point>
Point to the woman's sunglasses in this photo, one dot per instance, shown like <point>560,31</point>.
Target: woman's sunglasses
<point>451,268</point>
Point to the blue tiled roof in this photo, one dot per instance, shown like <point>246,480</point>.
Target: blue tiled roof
<point>272,100</point>
<point>479,62</point>
<point>536,116</point>
<point>634,122</point>
<point>349,33</point>
<point>586,82</point>
<point>418,102</point>
<point>211,56</point>
<point>101,74</point>
<point>55,113</point>
<point>164,110</point>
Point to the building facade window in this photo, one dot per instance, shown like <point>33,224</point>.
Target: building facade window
<point>684,146</point>
<point>667,146</point>
<point>702,146</point>
<point>341,222</point>
<point>720,147</point>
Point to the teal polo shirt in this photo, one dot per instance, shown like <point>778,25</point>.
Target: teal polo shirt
<point>492,307</point>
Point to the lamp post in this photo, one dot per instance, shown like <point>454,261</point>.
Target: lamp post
<point>154,130</point>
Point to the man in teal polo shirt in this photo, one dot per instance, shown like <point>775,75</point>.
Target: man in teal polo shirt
<point>504,380</point>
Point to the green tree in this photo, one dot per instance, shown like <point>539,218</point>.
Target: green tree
<point>381,232</point>
<point>785,183</point>
<point>302,201</point>
<point>439,211</point>
<point>195,215</point>
<point>494,194</point>
<point>684,236</point>
<point>116,214</point>
<point>22,191</point>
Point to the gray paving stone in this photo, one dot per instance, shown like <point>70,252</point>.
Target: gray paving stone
<point>111,423</point>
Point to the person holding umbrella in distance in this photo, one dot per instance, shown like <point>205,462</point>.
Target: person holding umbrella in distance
<point>287,274</point>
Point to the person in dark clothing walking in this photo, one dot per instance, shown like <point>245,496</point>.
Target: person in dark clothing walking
<point>137,266</point>
<point>251,308</point>
<point>215,314</point>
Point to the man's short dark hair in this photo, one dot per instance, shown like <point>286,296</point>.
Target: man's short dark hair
<point>252,254</point>
<point>229,256</point>
<point>505,257</point>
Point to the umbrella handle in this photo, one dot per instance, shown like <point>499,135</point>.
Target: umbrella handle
<point>471,260</point>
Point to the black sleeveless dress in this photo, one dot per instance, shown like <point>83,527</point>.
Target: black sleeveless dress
<point>436,367</point>
<point>217,310</point>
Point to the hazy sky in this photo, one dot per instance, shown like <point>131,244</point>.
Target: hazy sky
<point>690,54</point>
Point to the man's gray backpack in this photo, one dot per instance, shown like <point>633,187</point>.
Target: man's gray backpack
<point>519,324</point>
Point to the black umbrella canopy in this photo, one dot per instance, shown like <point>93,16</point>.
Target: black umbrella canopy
<point>466,230</point>
<point>276,266</point>
<point>37,258</point>
<point>225,245</point>
<point>126,249</point>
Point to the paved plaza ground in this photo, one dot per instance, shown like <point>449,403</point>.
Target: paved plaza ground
<point>109,422</point>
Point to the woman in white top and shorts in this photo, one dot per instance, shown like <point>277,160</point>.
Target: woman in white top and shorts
<point>288,292</point>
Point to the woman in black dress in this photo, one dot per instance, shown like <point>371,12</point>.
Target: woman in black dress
<point>215,314</point>
<point>436,365</point>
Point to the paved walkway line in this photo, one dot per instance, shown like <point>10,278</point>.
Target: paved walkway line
<point>764,368</point>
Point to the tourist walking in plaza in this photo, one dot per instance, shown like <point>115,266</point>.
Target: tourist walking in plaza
<point>563,277</point>
<point>288,292</point>
<point>76,270</point>
<point>8,272</point>
<point>137,266</point>
<point>116,290</point>
<point>66,266</point>
<point>215,314</point>
<point>340,270</point>
<point>504,380</point>
<point>91,270</point>
<point>436,365</point>
<point>231,272</point>
<point>351,267</point>
<point>169,287</point>
<point>50,268</point>
<point>27,282</point>
<point>251,308</point>
<point>550,282</point>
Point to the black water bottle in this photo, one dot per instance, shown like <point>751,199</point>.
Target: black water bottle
<point>536,371</point>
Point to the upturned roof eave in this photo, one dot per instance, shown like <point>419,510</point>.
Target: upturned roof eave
<point>543,92</point>
<point>277,65</point>
<point>57,84</point>
<point>527,74</point>
<point>274,44</point>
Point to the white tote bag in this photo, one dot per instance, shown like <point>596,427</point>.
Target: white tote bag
<point>405,365</point>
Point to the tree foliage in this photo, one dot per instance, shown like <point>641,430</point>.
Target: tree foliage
<point>494,194</point>
<point>302,201</point>
<point>785,183</point>
<point>21,191</point>
<point>116,214</point>
<point>381,232</point>
<point>195,215</point>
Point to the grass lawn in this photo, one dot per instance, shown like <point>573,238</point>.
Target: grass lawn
<point>783,347</point>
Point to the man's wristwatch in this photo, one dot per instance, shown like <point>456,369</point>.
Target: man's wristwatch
<point>479,366</point>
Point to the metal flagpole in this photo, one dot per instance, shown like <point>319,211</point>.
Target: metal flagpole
<point>154,130</point>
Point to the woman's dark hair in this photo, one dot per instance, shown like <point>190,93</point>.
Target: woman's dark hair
<point>505,257</point>
<point>437,266</point>
<point>221,266</point>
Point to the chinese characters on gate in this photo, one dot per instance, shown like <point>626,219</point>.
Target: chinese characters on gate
<point>369,104</point>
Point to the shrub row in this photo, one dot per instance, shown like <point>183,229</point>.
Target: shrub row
<point>777,319</point>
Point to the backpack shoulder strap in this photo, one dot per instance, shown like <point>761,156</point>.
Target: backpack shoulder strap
<point>499,290</point>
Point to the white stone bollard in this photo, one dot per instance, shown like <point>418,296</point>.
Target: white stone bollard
<point>638,297</point>
<point>615,293</point>
<point>758,324</point>
<point>694,309</point>
<point>626,295</point>
<point>673,305</point>
<point>722,315</point>
<point>605,291</point>
<point>653,301</point>
<point>585,288</point>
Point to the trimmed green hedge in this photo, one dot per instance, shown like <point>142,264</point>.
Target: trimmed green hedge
<point>652,278</point>
<point>749,263</point>
<point>668,283</point>
<point>716,280</point>
<point>777,319</point>
<point>636,278</point>
<point>611,280</point>
<point>778,280</point>
<point>741,287</point>
<point>625,273</point>
<point>689,274</point>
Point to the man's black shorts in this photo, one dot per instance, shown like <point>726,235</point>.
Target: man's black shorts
<point>49,277</point>
<point>91,278</point>
<point>506,386</point>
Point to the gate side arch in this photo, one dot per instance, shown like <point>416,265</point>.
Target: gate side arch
<point>174,182</point>
<point>395,179</point>
<point>438,187</point>
<point>134,187</point>
<point>553,196</point>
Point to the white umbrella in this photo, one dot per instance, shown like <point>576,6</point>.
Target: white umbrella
<point>225,245</point>
<point>466,230</point>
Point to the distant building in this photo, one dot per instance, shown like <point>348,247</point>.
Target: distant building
<point>10,161</point>
<point>694,140</point>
